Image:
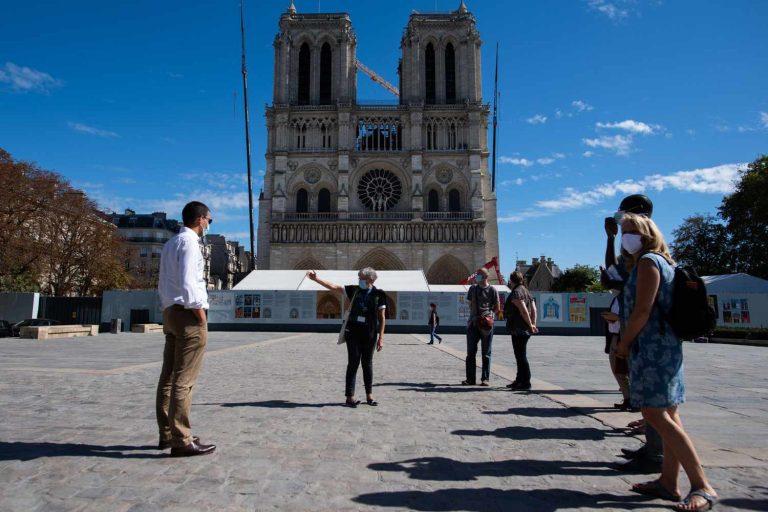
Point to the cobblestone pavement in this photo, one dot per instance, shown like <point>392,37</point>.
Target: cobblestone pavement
<point>77,428</point>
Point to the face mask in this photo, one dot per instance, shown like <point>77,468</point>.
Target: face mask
<point>363,284</point>
<point>206,230</point>
<point>479,278</point>
<point>631,242</point>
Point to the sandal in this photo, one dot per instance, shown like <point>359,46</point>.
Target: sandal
<point>687,506</point>
<point>655,489</point>
<point>351,403</point>
<point>374,403</point>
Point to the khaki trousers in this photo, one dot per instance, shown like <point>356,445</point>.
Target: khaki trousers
<point>185,341</point>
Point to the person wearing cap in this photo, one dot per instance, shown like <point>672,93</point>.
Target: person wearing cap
<point>649,457</point>
<point>483,306</point>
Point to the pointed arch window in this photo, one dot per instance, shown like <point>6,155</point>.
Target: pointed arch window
<point>324,200</point>
<point>450,74</point>
<point>326,75</point>
<point>429,75</point>
<point>304,64</point>
<point>454,200</point>
<point>433,201</point>
<point>302,201</point>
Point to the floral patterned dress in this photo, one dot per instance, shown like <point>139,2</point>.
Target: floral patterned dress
<point>656,358</point>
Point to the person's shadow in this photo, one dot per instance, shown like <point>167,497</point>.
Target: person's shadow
<point>525,433</point>
<point>446,469</point>
<point>279,404</point>
<point>24,451</point>
<point>485,499</point>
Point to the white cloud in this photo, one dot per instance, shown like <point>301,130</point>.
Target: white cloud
<point>581,106</point>
<point>537,119</point>
<point>524,162</point>
<point>558,113</point>
<point>545,161</point>
<point>24,79</point>
<point>218,180</point>
<point>558,155</point>
<point>711,180</point>
<point>84,128</point>
<point>631,126</point>
<point>587,154</point>
<point>507,183</point>
<point>764,119</point>
<point>611,10</point>
<point>619,144</point>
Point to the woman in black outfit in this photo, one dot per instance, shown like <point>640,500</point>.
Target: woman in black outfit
<point>365,329</point>
<point>520,312</point>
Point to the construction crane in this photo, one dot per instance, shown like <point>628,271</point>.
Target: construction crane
<point>376,78</point>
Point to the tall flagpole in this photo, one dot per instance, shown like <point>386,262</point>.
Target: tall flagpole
<point>495,124</point>
<point>252,263</point>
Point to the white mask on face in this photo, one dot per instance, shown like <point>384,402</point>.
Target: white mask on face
<point>632,242</point>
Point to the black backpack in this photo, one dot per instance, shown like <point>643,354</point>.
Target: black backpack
<point>690,316</point>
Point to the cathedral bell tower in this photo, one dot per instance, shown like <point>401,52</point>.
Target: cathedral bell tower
<point>394,186</point>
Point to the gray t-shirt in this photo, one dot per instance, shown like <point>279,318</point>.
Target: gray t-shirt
<point>482,301</point>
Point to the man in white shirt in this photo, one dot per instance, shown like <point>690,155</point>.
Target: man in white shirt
<point>184,299</point>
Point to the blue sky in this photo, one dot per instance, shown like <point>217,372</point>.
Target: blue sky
<point>139,103</point>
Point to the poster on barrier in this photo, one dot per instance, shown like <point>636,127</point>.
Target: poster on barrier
<point>577,308</point>
<point>551,307</point>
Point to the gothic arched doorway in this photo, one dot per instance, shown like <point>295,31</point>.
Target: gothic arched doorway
<point>447,270</point>
<point>380,259</point>
<point>328,306</point>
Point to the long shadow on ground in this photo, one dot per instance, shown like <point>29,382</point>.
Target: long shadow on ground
<point>278,404</point>
<point>29,451</point>
<point>551,412</point>
<point>524,433</point>
<point>445,469</point>
<point>489,499</point>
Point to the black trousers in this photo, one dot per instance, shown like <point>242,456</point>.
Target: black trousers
<point>360,348</point>
<point>520,339</point>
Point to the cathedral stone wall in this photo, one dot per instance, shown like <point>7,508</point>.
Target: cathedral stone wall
<point>398,186</point>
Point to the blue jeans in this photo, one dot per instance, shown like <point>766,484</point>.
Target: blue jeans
<point>433,334</point>
<point>474,336</point>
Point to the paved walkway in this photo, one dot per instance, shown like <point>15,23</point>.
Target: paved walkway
<point>77,428</point>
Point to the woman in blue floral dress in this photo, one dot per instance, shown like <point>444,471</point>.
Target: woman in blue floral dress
<point>656,361</point>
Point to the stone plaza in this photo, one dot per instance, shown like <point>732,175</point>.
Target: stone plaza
<point>78,430</point>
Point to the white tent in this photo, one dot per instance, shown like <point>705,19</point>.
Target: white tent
<point>388,280</point>
<point>735,283</point>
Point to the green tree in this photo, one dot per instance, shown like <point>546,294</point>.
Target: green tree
<point>579,278</point>
<point>702,242</point>
<point>745,213</point>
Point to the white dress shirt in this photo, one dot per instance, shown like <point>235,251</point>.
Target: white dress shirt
<point>182,269</point>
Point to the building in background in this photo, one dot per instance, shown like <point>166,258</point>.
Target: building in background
<point>400,186</point>
<point>540,273</point>
<point>226,262</point>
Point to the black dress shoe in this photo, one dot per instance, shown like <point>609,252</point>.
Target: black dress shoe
<point>633,454</point>
<point>193,449</point>
<point>640,465</point>
<point>164,445</point>
<point>521,386</point>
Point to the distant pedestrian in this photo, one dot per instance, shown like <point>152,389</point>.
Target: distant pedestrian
<point>520,312</point>
<point>656,361</point>
<point>434,322</point>
<point>184,299</point>
<point>483,306</point>
<point>365,329</point>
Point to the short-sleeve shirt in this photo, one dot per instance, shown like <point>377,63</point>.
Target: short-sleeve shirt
<point>365,305</point>
<point>515,319</point>
<point>482,301</point>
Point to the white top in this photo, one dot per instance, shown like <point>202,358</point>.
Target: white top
<point>614,327</point>
<point>182,269</point>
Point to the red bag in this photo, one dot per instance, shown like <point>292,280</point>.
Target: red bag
<point>485,323</point>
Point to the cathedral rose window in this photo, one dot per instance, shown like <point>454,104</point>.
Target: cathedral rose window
<point>379,190</point>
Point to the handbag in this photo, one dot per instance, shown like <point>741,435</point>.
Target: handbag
<point>485,323</point>
<point>345,316</point>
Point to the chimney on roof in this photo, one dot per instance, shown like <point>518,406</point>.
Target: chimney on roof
<point>128,211</point>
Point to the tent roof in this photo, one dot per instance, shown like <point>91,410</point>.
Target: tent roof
<point>388,280</point>
<point>735,283</point>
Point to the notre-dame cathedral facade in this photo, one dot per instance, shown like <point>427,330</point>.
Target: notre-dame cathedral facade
<point>397,187</point>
